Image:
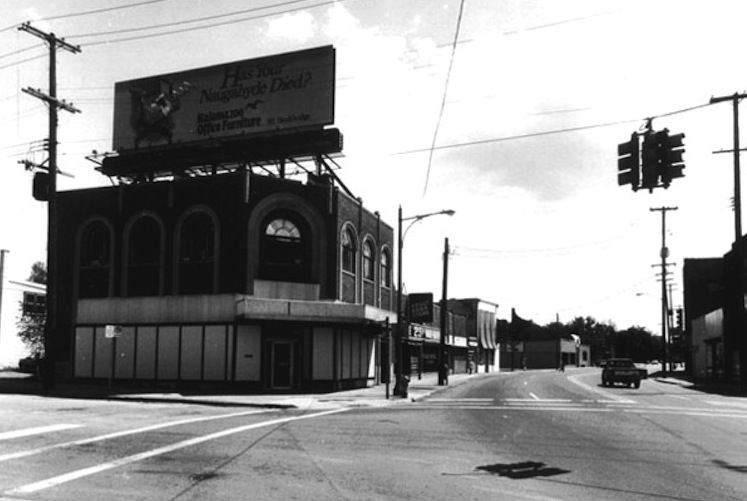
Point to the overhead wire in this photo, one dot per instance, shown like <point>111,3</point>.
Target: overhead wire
<point>550,132</point>
<point>445,93</point>
<point>213,25</point>
<point>176,23</point>
<point>187,21</point>
<point>85,13</point>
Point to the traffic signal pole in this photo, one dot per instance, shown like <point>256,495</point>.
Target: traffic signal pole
<point>50,326</point>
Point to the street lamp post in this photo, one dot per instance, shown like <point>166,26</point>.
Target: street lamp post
<point>399,367</point>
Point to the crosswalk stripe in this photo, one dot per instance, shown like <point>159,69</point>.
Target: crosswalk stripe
<point>9,435</point>
<point>75,475</point>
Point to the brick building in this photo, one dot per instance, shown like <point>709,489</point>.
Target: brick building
<point>240,278</point>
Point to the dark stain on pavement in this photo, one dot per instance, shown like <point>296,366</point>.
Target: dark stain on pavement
<point>522,470</point>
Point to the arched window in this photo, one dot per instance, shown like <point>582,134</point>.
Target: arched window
<point>348,251</point>
<point>284,250</point>
<point>386,268</point>
<point>95,260</point>
<point>368,260</point>
<point>144,258</point>
<point>197,254</point>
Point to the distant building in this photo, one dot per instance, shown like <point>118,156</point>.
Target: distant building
<point>482,351</point>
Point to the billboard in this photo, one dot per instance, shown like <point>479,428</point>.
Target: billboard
<point>276,93</point>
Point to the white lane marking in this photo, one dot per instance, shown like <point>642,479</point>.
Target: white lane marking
<point>739,405</point>
<point>533,396</point>
<point>124,433</point>
<point>610,396</point>
<point>75,475</point>
<point>461,399</point>
<point>679,397</point>
<point>8,435</point>
<point>535,399</point>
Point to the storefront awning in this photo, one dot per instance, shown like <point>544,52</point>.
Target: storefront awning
<point>486,330</point>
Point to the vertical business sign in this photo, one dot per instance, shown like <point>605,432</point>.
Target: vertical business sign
<point>276,93</point>
<point>421,307</point>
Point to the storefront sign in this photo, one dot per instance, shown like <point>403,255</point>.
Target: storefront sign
<point>421,307</point>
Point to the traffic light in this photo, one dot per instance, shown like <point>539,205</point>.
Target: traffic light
<point>650,161</point>
<point>40,189</point>
<point>680,325</point>
<point>628,163</point>
<point>672,163</point>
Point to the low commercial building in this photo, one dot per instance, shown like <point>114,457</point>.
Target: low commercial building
<point>264,282</point>
<point>228,250</point>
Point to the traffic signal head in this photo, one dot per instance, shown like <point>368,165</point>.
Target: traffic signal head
<point>650,161</point>
<point>40,187</point>
<point>672,160</point>
<point>628,163</point>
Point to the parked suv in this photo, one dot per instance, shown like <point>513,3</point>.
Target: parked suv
<point>621,370</point>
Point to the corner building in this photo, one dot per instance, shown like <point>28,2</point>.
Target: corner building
<point>253,281</point>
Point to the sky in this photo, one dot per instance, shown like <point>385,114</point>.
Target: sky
<point>508,112</point>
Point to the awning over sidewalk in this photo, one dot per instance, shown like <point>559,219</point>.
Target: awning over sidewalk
<point>486,330</point>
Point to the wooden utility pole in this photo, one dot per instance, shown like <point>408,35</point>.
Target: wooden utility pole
<point>732,341</point>
<point>735,98</point>
<point>50,328</point>
<point>664,306</point>
<point>443,359</point>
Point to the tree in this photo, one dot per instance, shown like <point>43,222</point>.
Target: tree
<point>637,343</point>
<point>33,314</point>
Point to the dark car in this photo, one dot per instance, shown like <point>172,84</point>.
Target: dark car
<point>621,370</point>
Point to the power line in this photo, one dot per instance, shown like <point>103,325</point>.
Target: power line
<point>187,21</point>
<point>224,23</point>
<point>172,32</point>
<point>85,13</point>
<point>515,137</point>
<point>443,98</point>
<point>549,132</point>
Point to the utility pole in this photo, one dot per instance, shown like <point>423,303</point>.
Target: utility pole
<point>50,328</point>
<point>739,251</point>
<point>735,98</point>
<point>2,281</point>
<point>664,306</point>
<point>443,360</point>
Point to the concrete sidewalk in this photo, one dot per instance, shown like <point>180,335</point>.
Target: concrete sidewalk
<point>373,396</point>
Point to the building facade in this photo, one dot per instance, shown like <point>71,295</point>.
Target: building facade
<point>255,281</point>
<point>715,316</point>
<point>482,352</point>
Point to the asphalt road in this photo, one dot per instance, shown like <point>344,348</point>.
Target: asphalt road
<point>521,436</point>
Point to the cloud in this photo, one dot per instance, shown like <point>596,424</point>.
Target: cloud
<point>298,26</point>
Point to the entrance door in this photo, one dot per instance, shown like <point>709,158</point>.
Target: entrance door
<point>281,356</point>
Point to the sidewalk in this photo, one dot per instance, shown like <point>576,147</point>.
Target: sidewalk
<point>373,396</point>
<point>679,378</point>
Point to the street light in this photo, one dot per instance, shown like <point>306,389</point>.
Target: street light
<point>398,340</point>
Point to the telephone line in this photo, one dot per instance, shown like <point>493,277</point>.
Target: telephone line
<point>84,13</point>
<point>195,28</point>
<point>548,132</point>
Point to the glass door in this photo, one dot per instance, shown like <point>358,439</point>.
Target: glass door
<point>281,353</point>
